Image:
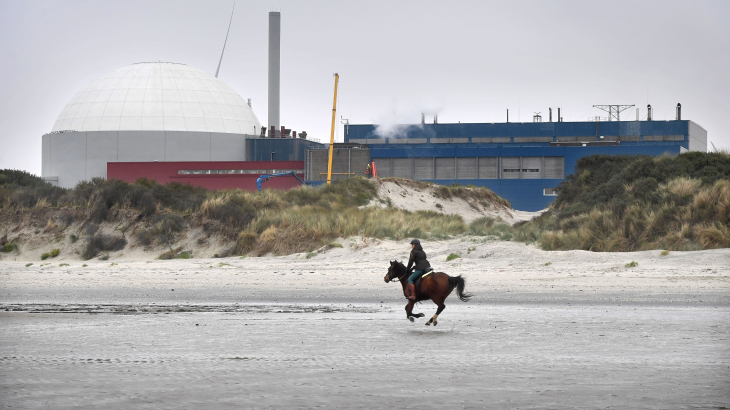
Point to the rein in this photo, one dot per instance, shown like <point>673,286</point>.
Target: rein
<point>401,276</point>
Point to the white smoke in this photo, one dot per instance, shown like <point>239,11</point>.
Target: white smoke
<point>397,122</point>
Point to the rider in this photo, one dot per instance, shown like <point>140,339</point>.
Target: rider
<point>419,257</point>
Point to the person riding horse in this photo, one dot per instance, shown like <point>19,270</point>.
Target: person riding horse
<point>418,256</point>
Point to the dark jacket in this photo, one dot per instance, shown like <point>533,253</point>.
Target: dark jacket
<point>418,256</point>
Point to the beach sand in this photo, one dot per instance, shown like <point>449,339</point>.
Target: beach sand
<point>561,330</point>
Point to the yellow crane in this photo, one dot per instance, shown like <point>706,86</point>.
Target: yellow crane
<point>332,134</point>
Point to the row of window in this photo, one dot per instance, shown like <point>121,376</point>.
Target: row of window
<point>236,171</point>
<point>472,168</point>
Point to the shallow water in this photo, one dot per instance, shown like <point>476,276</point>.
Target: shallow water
<point>339,355</point>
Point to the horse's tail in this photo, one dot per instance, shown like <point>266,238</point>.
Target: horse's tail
<point>458,282</point>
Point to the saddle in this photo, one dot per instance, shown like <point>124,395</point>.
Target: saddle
<point>426,272</point>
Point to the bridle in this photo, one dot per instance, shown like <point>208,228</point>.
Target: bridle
<point>397,277</point>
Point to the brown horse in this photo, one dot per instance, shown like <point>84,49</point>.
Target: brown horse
<point>436,287</point>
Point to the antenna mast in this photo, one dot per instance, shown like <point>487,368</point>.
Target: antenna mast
<point>226,40</point>
<point>614,111</point>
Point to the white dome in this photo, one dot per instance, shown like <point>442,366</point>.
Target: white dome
<point>158,97</point>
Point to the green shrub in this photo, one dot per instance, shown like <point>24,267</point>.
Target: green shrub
<point>54,253</point>
<point>29,264</point>
<point>632,264</point>
<point>335,245</point>
<point>73,238</point>
<point>8,247</point>
<point>452,256</point>
<point>664,253</point>
<point>63,264</point>
<point>44,256</point>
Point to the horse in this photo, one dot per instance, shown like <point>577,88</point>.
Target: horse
<point>436,286</point>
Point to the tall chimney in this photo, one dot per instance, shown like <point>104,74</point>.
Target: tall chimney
<point>551,114</point>
<point>274,69</point>
<point>679,111</point>
<point>560,119</point>
<point>648,109</point>
<point>423,118</point>
<point>436,119</point>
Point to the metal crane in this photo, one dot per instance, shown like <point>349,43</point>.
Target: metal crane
<point>264,178</point>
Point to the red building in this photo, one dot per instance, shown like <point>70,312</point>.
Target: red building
<point>210,175</point>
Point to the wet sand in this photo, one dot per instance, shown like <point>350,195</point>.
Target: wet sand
<point>581,332</point>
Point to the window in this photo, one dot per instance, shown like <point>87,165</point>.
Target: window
<point>550,192</point>
<point>236,171</point>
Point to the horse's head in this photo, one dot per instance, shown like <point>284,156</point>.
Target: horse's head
<point>395,271</point>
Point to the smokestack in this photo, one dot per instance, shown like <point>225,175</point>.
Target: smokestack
<point>560,119</point>
<point>551,114</point>
<point>637,113</point>
<point>648,109</point>
<point>679,111</point>
<point>436,119</point>
<point>274,69</point>
<point>423,118</point>
<point>507,114</point>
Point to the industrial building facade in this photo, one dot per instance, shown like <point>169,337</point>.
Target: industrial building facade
<point>522,162</point>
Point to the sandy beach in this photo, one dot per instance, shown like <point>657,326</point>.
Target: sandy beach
<point>567,329</point>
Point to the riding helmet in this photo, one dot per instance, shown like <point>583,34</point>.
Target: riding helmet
<point>415,242</point>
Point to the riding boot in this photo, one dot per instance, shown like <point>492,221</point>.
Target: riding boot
<point>411,291</point>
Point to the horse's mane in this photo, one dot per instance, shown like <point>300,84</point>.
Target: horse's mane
<point>400,264</point>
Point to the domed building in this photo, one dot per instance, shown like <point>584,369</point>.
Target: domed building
<point>147,112</point>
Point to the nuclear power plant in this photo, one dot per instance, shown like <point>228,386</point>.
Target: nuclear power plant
<point>175,123</point>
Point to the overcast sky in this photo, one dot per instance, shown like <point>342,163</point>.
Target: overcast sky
<point>467,60</point>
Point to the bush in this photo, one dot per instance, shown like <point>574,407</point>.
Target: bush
<point>175,254</point>
<point>73,238</point>
<point>632,264</point>
<point>452,256</point>
<point>628,203</point>
<point>101,242</point>
<point>162,229</point>
<point>54,253</point>
<point>44,256</point>
<point>8,247</point>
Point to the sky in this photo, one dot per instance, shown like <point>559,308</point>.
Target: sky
<point>466,61</point>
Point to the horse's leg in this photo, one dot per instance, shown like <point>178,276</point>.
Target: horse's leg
<point>438,312</point>
<point>440,303</point>
<point>409,310</point>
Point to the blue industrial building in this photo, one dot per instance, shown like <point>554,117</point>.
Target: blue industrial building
<point>522,162</point>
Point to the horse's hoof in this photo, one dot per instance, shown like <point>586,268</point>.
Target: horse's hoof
<point>435,323</point>
<point>428,323</point>
<point>410,318</point>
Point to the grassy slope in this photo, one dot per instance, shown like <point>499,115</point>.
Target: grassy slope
<point>611,203</point>
<point>627,203</point>
<point>281,222</point>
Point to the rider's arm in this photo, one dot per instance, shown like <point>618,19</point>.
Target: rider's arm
<point>410,262</point>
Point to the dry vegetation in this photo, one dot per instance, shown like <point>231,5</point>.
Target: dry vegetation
<point>154,216</point>
<point>611,203</point>
<point>629,203</point>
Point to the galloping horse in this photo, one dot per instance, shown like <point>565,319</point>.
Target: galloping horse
<point>436,286</point>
